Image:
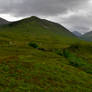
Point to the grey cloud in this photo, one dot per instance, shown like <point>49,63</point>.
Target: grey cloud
<point>38,7</point>
<point>79,23</point>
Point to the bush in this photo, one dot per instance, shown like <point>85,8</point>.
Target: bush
<point>73,59</point>
<point>66,53</point>
<point>77,62</point>
<point>34,45</point>
<point>58,52</point>
<point>75,46</point>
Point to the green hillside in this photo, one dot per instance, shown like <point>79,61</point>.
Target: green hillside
<point>37,55</point>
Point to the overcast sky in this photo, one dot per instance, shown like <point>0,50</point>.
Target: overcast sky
<point>76,15</point>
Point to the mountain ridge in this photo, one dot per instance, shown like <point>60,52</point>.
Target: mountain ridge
<point>46,24</point>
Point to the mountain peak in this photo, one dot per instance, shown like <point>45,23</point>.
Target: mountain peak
<point>34,17</point>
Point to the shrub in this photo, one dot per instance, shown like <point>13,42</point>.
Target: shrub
<point>75,46</point>
<point>59,52</point>
<point>77,62</point>
<point>73,59</point>
<point>34,45</point>
<point>66,53</point>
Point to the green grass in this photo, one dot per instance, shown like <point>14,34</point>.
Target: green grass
<point>41,56</point>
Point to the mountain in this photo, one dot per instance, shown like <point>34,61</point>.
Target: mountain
<point>87,36</point>
<point>45,25</point>
<point>37,55</point>
<point>3,21</point>
<point>78,34</point>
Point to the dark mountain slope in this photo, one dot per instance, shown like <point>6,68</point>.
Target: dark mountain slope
<point>87,36</point>
<point>76,33</point>
<point>3,21</point>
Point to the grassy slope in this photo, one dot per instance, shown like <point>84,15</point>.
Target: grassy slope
<point>47,68</point>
